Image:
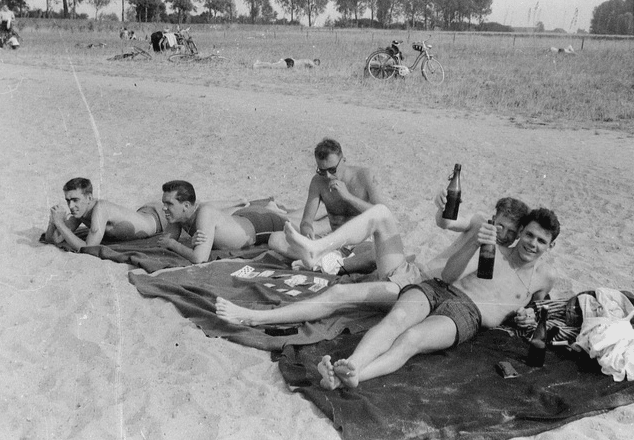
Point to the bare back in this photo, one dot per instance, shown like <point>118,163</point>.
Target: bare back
<point>227,231</point>
<point>119,223</point>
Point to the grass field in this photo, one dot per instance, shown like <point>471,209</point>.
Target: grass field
<point>506,74</point>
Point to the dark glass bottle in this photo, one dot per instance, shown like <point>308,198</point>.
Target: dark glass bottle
<point>453,195</point>
<point>537,346</point>
<point>487,259</point>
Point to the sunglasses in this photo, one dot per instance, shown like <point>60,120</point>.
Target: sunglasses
<point>331,170</point>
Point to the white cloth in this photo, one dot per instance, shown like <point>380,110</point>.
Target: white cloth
<point>606,333</point>
<point>171,39</point>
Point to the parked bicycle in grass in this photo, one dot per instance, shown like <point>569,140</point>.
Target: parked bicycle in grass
<point>188,51</point>
<point>387,63</point>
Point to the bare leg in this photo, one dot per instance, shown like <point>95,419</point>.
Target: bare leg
<point>328,378</point>
<point>377,221</point>
<point>378,295</point>
<point>410,309</point>
<point>433,334</point>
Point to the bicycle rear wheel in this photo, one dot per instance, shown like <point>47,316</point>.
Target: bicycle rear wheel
<point>140,52</point>
<point>182,58</point>
<point>433,71</point>
<point>381,65</point>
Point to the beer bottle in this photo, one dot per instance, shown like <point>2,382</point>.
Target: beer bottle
<point>537,346</point>
<point>453,195</point>
<point>487,259</point>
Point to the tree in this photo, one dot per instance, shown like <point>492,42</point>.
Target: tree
<point>19,5</point>
<point>350,9</point>
<point>313,9</point>
<point>539,27</point>
<point>223,7</point>
<point>292,7</point>
<point>182,8</point>
<point>148,10</point>
<point>269,14</point>
<point>99,4</point>
<point>613,17</point>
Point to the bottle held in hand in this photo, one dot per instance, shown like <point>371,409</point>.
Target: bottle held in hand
<point>487,259</point>
<point>453,195</point>
<point>537,347</point>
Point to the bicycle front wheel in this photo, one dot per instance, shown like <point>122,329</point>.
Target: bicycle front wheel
<point>432,71</point>
<point>381,65</point>
<point>182,58</point>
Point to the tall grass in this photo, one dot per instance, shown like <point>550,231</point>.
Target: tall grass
<point>506,74</point>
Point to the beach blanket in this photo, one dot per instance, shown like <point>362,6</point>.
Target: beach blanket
<point>458,393</point>
<point>148,255</point>
<point>262,283</point>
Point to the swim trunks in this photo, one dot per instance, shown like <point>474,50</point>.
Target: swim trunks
<point>407,273</point>
<point>264,221</point>
<point>155,209</point>
<point>447,300</point>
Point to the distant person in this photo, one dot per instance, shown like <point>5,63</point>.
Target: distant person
<point>6,19</point>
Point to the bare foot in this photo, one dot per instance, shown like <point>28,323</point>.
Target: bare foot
<point>347,372</point>
<point>328,379</point>
<point>301,246</point>
<point>229,312</point>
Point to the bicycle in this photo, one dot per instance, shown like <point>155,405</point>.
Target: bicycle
<point>186,43</point>
<point>136,52</point>
<point>384,64</point>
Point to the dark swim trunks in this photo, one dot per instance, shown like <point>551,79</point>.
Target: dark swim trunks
<point>449,301</point>
<point>156,211</point>
<point>264,222</point>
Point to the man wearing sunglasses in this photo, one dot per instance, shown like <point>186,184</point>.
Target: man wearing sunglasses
<point>346,191</point>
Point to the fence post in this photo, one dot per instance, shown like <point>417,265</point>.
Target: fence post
<point>583,39</point>
<point>454,37</point>
<point>514,37</point>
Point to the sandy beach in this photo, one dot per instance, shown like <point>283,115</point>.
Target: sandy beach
<point>84,356</point>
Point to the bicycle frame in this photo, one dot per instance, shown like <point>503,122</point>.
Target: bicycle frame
<point>403,69</point>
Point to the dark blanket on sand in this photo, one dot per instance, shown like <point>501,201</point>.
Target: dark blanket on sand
<point>193,290</point>
<point>457,393</point>
<point>148,255</point>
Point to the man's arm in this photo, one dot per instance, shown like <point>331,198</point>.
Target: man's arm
<point>203,238</point>
<point>310,210</point>
<point>369,182</point>
<point>479,233</point>
<point>66,227</point>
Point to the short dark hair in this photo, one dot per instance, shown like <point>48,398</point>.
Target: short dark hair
<point>512,208</point>
<point>184,190</point>
<point>544,218</point>
<point>78,183</point>
<point>327,147</point>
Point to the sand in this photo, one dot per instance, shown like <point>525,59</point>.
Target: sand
<point>84,356</point>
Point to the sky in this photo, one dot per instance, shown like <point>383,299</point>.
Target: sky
<point>516,13</point>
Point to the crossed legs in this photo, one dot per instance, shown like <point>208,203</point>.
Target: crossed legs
<point>378,222</point>
<point>406,331</point>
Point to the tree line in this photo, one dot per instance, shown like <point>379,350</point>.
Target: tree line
<point>614,17</point>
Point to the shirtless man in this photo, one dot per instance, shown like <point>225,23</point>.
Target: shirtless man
<point>435,315</point>
<point>346,191</point>
<point>393,269</point>
<point>103,218</point>
<point>213,228</point>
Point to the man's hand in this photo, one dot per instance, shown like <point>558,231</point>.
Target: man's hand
<point>441,199</point>
<point>339,187</point>
<point>307,231</point>
<point>199,238</point>
<point>525,318</point>
<point>487,234</point>
<point>58,215</point>
<point>165,241</point>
